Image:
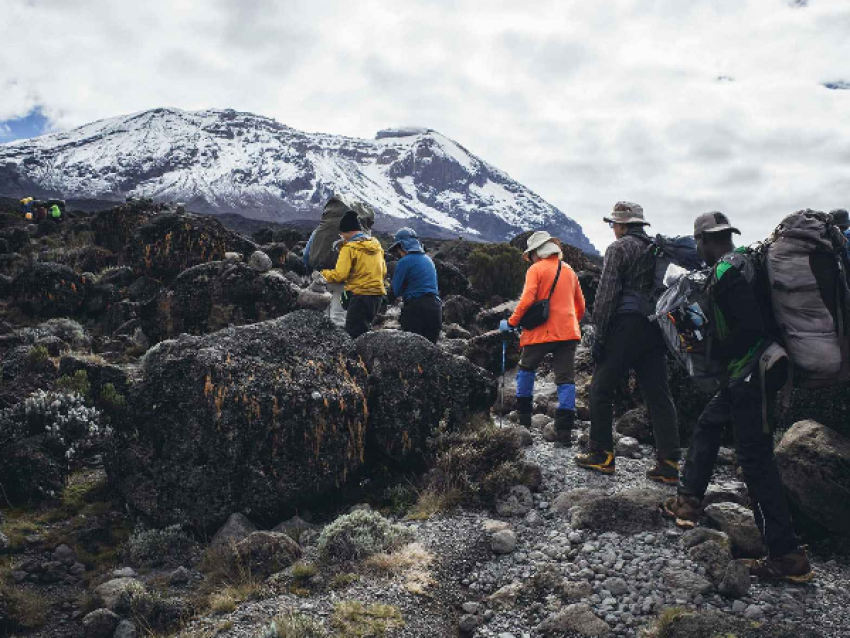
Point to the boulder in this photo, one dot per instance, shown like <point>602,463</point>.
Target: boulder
<point>100,623</point>
<point>170,243</point>
<point>503,541</point>
<point>489,319</point>
<point>627,512</point>
<point>698,535</point>
<point>485,351</point>
<point>738,523</point>
<point>126,629</point>
<point>34,468</point>
<point>682,580</point>
<point>736,580</point>
<point>577,618</point>
<point>578,497</point>
<point>255,418</point>
<point>417,389</point>
<point>237,528</point>
<point>46,289</point>
<point>259,261</point>
<point>212,296</point>
<point>115,227</point>
<point>827,406</point>
<point>516,502</point>
<point>98,372</point>
<point>714,556</point>
<point>636,424</point>
<point>815,465</point>
<point>460,310</point>
<point>262,554</point>
<point>110,591</point>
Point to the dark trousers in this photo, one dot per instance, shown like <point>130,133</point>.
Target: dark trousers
<point>361,313</point>
<point>564,353</point>
<point>633,343</point>
<point>740,404</point>
<point>424,316</point>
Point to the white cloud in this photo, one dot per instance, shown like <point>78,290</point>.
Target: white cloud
<point>587,103</point>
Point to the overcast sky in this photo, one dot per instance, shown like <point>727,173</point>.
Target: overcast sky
<point>681,105</point>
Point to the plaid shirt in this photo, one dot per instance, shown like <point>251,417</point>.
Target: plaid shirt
<point>624,269</point>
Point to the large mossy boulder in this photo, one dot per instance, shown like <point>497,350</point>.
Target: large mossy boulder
<point>209,297</point>
<point>256,419</point>
<point>114,228</point>
<point>417,391</point>
<point>47,289</point>
<point>815,465</point>
<point>170,243</point>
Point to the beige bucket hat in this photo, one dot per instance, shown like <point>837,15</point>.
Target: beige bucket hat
<point>627,213</point>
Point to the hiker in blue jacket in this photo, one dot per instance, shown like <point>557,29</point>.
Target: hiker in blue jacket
<point>415,281</point>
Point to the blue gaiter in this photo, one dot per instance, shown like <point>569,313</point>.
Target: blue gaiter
<point>525,383</point>
<point>566,396</point>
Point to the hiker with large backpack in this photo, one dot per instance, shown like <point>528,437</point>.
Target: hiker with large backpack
<point>549,311</point>
<point>841,218</point>
<point>733,324</point>
<point>625,339</point>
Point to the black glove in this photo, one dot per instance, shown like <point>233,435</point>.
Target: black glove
<point>596,352</point>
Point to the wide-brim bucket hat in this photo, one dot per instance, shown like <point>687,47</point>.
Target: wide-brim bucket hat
<point>627,213</point>
<point>535,241</point>
<point>406,239</point>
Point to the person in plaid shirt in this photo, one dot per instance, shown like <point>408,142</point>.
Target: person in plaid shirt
<point>627,340</point>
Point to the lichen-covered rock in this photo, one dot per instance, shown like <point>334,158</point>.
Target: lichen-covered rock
<point>237,528</point>
<point>636,424</point>
<point>485,351</point>
<point>460,310</point>
<point>714,556</point>
<point>738,523</point>
<point>265,553</point>
<point>100,623</point>
<point>170,243</point>
<point>114,228</point>
<point>489,319</point>
<point>47,289</point>
<point>627,512</point>
<point>415,389</point>
<point>577,618</point>
<point>815,465</point>
<point>209,297</point>
<point>450,279</point>
<point>253,418</point>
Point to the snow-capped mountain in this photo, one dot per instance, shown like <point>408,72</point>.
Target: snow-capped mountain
<point>224,161</point>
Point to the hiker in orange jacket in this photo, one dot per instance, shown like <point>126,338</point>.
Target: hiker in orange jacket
<point>560,334</point>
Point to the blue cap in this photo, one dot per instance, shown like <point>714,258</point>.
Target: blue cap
<point>407,240</point>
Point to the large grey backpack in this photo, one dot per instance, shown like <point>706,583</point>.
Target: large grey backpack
<point>806,265</point>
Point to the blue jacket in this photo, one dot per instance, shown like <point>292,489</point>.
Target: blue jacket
<point>415,276</point>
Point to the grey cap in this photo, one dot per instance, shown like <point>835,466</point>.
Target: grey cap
<point>840,217</point>
<point>627,213</point>
<point>713,222</point>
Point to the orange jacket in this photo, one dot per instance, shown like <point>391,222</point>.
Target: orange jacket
<point>565,309</point>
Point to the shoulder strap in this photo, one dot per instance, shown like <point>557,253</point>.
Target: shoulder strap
<point>554,283</point>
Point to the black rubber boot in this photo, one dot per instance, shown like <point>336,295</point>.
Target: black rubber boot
<point>564,420</point>
<point>524,410</point>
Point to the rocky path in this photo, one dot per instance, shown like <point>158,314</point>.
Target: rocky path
<point>532,568</point>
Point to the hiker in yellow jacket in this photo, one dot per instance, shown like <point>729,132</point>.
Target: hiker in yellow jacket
<point>361,267</point>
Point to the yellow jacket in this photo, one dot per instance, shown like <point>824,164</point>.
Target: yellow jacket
<point>360,266</point>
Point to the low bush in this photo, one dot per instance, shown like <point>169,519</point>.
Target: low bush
<point>158,547</point>
<point>78,383</point>
<point>360,534</point>
<point>21,609</point>
<point>151,611</point>
<point>353,619</point>
<point>293,625</point>
<point>37,357</point>
<point>496,270</point>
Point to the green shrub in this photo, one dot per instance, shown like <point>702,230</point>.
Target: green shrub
<point>78,383</point>
<point>496,269</point>
<point>151,611</point>
<point>37,357</point>
<point>155,547</point>
<point>110,398</point>
<point>360,534</point>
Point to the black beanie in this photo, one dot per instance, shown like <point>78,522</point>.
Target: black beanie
<point>349,222</point>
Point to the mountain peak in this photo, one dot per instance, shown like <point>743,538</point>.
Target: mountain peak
<point>227,161</point>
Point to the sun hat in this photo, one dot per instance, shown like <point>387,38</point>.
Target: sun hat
<point>406,238</point>
<point>627,213</point>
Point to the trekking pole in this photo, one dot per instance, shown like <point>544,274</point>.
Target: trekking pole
<point>502,400</point>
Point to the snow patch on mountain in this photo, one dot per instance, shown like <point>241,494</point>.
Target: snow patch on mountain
<point>224,161</point>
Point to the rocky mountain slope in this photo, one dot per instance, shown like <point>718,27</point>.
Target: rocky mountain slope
<point>224,161</point>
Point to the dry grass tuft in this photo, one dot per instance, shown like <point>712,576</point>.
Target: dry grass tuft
<point>412,563</point>
<point>353,619</point>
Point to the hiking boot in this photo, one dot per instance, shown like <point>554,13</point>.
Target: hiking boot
<point>684,509</point>
<point>793,567</point>
<point>665,471</point>
<point>597,461</point>
<point>523,406</point>
<point>564,420</point>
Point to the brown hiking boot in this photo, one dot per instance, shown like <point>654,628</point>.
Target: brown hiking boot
<point>665,471</point>
<point>684,509</point>
<point>793,567</point>
<point>597,461</point>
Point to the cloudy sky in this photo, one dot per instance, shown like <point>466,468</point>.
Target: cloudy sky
<point>682,106</point>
